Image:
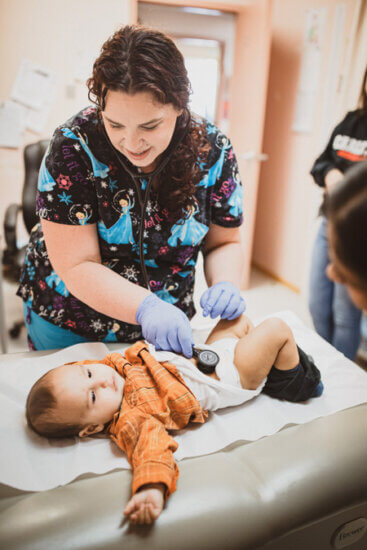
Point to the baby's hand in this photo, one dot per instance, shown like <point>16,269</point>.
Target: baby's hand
<point>147,504</point>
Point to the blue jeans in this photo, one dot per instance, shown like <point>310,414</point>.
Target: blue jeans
<point>364,327</point>
<point>334,315</point>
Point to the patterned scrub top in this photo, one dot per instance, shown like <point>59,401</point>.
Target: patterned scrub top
<point>82,182</point>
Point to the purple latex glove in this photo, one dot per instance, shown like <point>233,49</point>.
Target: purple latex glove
<point>165,326</point>
<point>223,299</point>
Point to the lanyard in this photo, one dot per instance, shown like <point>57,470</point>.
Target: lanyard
<point>135,175</point>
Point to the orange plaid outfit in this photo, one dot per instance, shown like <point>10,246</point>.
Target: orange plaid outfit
<point>156,399</point>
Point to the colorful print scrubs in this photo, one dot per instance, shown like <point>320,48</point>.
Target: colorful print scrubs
<point>82,182</point>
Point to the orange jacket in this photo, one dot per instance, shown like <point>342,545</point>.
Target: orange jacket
<point>156,399</point>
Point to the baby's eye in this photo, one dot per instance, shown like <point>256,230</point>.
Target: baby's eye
<point>93,396</point>
<point>89,374</point>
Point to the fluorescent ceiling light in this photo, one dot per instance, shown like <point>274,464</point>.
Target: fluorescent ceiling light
<point>201,11</point>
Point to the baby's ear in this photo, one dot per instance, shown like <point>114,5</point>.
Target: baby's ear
<point>91,429</point>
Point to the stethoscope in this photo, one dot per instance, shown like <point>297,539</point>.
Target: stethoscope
<point>136,176</point>
<point>207,359</point>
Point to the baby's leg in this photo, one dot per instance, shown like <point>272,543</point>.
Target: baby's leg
<point>230,329</point>
<point>269,350</point>
<point>269,344</point>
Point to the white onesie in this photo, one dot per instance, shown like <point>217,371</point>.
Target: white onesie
<point>212,394</point>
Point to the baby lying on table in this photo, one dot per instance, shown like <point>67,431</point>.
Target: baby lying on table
<point>146,393</point>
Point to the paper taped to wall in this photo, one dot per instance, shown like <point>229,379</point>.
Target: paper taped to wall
<point>34,91</point>
<point>33,85</point>
<point>11,125</point>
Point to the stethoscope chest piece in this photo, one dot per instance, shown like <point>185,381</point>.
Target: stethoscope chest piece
<point>207,359</point>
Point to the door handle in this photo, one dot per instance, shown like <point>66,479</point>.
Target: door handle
<point>252,155</point>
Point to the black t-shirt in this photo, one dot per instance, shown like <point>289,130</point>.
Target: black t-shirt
<point>347,145</point>
<point>81,182</point>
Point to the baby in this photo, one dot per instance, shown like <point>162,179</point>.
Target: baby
<point>138,398</point>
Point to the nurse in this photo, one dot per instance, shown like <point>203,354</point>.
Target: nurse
<point>131,190</point>
<point>335,316</point>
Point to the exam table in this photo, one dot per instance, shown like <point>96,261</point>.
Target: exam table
<point>302,488</point>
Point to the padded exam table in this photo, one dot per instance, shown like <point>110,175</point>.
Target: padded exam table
<point>302,488</point>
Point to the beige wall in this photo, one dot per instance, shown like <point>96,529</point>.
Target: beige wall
<point>247,108</point>
<point>287,198</point>
<point>52,33</point>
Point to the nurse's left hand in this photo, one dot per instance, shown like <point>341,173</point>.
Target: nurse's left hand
<point>222,299</point>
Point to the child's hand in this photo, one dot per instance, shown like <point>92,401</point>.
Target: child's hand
<point>147,504</point>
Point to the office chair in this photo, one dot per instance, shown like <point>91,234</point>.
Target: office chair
<point>13,255</point>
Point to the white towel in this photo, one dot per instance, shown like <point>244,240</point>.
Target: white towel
<point>32,463</point>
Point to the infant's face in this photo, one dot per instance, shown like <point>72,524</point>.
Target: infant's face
<point>88,394</point>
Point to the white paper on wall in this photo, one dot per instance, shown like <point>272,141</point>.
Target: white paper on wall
<point>34,85</point>
<point>36,119</point>
<point>11,124</point>
<point>34,90</point>
<point>310,70</point>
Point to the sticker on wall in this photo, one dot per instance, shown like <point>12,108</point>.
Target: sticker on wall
<point>310,70</point>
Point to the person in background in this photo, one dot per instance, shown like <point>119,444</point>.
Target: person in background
<point>336,318</point>
<point>346,211</point>
<point>131,190</point>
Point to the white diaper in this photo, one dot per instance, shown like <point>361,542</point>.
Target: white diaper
<point>212,394</point>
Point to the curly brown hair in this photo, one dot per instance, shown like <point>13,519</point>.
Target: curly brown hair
<point>138,58</point>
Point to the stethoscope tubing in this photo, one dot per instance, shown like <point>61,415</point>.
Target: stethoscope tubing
<point>149,178</point>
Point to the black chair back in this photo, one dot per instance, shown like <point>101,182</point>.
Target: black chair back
<point>33,155</point>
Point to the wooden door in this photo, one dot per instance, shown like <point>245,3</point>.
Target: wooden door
<point>247,108</point>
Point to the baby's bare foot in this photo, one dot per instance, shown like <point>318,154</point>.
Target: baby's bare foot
<point>147,504</point>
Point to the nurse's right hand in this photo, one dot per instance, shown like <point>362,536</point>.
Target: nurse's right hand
<point>165,326</point>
